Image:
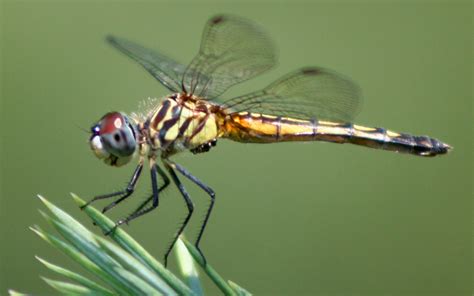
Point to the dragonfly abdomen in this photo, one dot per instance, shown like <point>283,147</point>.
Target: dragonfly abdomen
<point>260,128</point>
<point>381,138</point>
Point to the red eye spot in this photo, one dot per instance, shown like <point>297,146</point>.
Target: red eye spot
<point>111,122</point>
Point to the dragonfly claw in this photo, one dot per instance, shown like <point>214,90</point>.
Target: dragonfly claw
<point>120,222</point>
<point>110,231</point>
<point>117,224</point>
<point>204,261</point>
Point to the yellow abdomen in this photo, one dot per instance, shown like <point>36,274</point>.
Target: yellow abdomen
<point>260,128</point>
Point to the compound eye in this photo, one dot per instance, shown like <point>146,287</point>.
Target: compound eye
<point>112,122</point>
<point>117,135</point>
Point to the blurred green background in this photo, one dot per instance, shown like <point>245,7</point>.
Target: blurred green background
<point>290,219</point>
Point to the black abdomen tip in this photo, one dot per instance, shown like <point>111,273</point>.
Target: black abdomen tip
<point>426,146</point>
<point>440,147</point>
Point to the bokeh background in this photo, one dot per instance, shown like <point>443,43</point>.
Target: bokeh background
<point>290,219</point>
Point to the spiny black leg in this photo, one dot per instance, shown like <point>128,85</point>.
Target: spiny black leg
<point>189,204</point>
<point>126,192</point>
<point>209,191</point>
<point>155,191</point>
<point>137,213</point>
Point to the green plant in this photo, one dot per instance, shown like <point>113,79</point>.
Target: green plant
<point>123,267</point>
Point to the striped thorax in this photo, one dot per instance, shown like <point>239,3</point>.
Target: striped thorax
<point>180,123</point>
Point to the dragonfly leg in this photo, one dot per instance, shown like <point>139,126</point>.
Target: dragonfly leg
<point>142,208</point>
<point>189,203</point>
<point>124,193</point>
<point>154,198</point>
<point>211,194</point>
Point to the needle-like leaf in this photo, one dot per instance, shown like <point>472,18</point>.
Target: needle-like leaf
<point>211,272</point>
<point>133,247</point>
<point>76,277</point>
<point>77,256</point>
<point>187,267</point>
<point>240,291</point>
<point>91,248</point>
<point>135,266</point>
<point>125,268</point>
<point>15,293</point>
<point>68,288</point>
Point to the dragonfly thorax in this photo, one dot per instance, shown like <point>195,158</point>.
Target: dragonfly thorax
<point>181,123</point>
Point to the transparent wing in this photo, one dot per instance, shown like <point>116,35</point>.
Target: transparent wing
<point>306,93</point>
<point>232,50</point>
<point>164,69</point>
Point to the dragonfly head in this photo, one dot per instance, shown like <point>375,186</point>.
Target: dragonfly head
<point>114,139</point>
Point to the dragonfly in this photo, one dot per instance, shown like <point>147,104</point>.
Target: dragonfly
<point>309,104</point>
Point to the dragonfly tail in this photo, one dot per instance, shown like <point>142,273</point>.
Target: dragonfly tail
<point>259,128</point>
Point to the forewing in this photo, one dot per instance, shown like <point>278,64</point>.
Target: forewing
<point>232,50</point>
<point>315,93</point>
<point>164,69</point>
